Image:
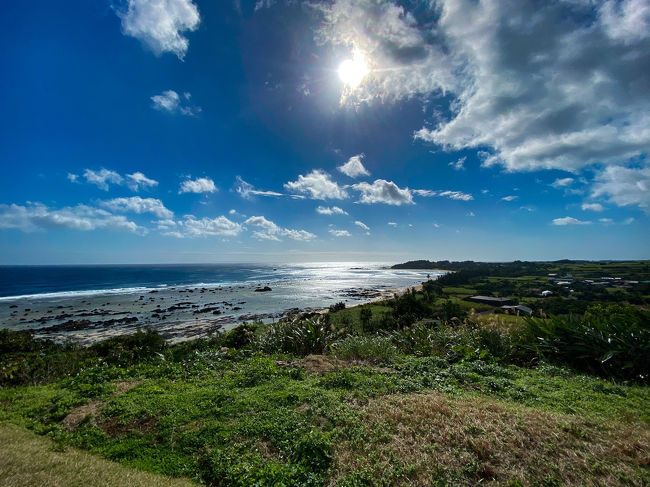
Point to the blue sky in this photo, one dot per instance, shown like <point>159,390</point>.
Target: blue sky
<point>199,131</point>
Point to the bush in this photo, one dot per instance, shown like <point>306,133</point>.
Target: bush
<point>374,348</point>
<point>239,337</point>
<point>337,307</point>
<point>609,340</point>
<point>300,337</point>
<point>129,349</point>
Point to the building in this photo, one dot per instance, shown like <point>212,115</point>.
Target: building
<point>518,309</point>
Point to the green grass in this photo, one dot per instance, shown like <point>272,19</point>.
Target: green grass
<point>29,460</point>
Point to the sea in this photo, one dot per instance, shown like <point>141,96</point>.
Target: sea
<point>181,301</point>
<point>17,282</point>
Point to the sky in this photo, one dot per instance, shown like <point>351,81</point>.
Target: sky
<point>150,131</point>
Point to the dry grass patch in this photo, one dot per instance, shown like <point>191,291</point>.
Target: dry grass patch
<point>28,460</point>
<point>431,439</point>
<point>72,421</point>
<point>323,364</point>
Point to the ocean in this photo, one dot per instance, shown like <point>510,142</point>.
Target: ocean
<point>181,301</point>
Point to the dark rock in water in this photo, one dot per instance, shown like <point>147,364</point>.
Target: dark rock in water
<point>13,306</point>
<point>263,289</point>
<point>236,308</point>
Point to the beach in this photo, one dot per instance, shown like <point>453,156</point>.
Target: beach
<point>182,312</point>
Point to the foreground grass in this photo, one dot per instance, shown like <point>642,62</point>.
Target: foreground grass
<point>29,460</point>
<point>226,417</point>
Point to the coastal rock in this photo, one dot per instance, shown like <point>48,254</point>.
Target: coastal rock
<point>263,289</point>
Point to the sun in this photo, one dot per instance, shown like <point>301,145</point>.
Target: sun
<point>353,71</point>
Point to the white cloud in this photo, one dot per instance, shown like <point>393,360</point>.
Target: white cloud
<point>271,231</point>
<point>161,24</point>
<point>317,185</point>
<point>190,226</point>
<point>362,225</point>
<point>606,221</point>
<point>628,221</point>
<point>102,178</point>
<point>199,185</point>
<point>471,213</point>
<point>392,224</point>
<point>35,216</point>
<point>509,198</point>
<point>454,195</point>
<point>592,207</point>
<point>354,167</point>
<point>624,186</point>
<point>300,235</point>
<point>459,164</point>
<point>567,220</point>
<point>340,233</point>
<point>562,183</point>
<point>170,101</point>
<point>138,205</point>
<point>334,210</point>
<point>138,180</point>
<point>73,178</point>
<point>247,191</point>
<point>382,191</point>
<point>559,85</point>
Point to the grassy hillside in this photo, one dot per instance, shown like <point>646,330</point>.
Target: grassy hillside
<point>415,390</point>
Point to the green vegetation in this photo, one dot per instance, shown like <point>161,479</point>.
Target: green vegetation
<point>415,390</point>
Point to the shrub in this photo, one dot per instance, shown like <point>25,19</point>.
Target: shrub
<point>130,348</point>
<point>240,336</point>
<point>374,348</point>
<point>299,337</point>
<point>337,307</point>
<point>610,340</point>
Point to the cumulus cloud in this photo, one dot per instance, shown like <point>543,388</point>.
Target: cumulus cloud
<point>138,180</point>
<point>606,221</point>
<point>354,168</point>
<point>36,216</point>
<point>191,226</point>
<point>340,233</point>
<point>199,185</point>
<point>102,178</point>
<point>555,85</point>
<point>567,220</point>
<point>138,205</point>
<point>392,224</point>
<point>510,198</point>
<point>271,231</point>
<point>362,225</point>
<point>161,24</point>
<point>247,191</point>
<point>592,207</point>
<point>317,185</point>
<point>382,191</point>
<point>334,210</point>
<point>624,186</point>
<point>172,102</point>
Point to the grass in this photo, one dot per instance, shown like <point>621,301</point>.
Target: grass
<point>431,439</point>
<point>403,393</point>
<point>30,460</point>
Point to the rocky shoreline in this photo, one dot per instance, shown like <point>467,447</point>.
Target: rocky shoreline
<point>176,313</point>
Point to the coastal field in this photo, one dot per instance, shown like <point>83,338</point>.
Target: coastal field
<point>424,388</point>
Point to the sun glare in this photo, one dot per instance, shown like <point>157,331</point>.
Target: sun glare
<point>352,71</point>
